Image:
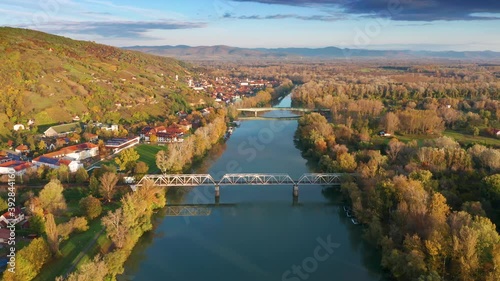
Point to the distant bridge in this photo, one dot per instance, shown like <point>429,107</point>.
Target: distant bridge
<point>270,118</point>
<point>256,110</point>
<point>167,180</point>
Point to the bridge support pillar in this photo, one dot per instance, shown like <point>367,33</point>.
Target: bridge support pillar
<point>217,193</point>
<point>295,191</point>
<point>255,112</point>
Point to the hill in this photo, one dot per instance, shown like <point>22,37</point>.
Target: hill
<point>52,78</point>
<point>232,53</point>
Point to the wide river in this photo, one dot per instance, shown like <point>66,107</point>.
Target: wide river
<point>256,233</point>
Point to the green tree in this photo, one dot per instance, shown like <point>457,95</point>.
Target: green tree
<point>37,224</point>
<point>3,204</point>
<point>42,146</point>
<point>29,261</point>
<point>51,197</point>
<point>127,159</point>
<point>81,175</point>
<point>63,173</point>
<point>91,207</point>
<point>94,185</point>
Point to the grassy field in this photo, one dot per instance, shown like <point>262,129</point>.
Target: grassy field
<point>468,139</point>
<point>148,155</point>
<point>463,139</point>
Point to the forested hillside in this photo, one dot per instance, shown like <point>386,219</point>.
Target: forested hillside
<point>51,79</point>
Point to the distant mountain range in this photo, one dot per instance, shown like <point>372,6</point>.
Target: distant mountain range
<point>222,52</point>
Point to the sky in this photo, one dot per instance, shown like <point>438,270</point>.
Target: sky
<point>461,25</point>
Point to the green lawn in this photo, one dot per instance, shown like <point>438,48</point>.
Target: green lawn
<point>463,139</point>
<point>469,139</point>
<point>148,155</point>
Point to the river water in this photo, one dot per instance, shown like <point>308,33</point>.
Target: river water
<point>255,233</point>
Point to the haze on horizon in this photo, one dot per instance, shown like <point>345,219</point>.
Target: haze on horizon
<point>370,24</point>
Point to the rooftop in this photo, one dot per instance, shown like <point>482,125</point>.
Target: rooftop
<point>64,128</point>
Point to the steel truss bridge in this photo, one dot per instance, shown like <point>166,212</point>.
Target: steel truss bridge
<point>256,110</point>
<point>180,180</point>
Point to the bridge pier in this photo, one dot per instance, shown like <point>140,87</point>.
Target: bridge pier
<point>295,191</point>
<point>255,112</point>
<point>217,193</point>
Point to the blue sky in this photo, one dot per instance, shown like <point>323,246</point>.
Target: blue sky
<point>370,24</point>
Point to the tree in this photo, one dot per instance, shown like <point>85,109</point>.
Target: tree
<point>63,173</point>
<point>81,175</point>
<point>3,204</point>
<point>141,169</point>
<point>52,235</point>
<point>116,229</point>
<point>96,269</point>
<point>29,261</point>
<point>94,185</point>
<point>51,197</point>
<point>42,146</point>
<point>37,224</point>
<point>108,186</point>
<point>347,162</point>
<point>91,207</point>
<point>127,158</point>
<point>161,161</point>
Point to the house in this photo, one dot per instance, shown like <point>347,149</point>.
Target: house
<point>185,125</point>
<point>22,149</point>
<point>16,167</point>
<point>69,156</point>
<point>146,132</point>
<point>90,137</point>
<point>76,152</point>
<point>60,130</point>
<point>105,127</point>
<point>118,144</point>
<point>15,217</point>
<point>55,163</point>
<point>18,127</point>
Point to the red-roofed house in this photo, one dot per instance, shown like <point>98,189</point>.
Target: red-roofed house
<point>14,166</point>
<point>22,148</point>
<point>16,217</point>
<point>185,125</point>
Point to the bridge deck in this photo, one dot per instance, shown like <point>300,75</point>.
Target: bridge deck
<point>241,179</point>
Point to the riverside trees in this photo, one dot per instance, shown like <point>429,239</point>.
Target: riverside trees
<point>408,196</point>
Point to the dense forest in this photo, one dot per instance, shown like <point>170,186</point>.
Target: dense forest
<point>427,192</point>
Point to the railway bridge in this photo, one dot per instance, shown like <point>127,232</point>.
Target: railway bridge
<point>189,180</point>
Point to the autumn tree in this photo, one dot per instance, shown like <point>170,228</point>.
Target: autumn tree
<point>52,235</point>
<point>108,186</point>
<point>91,207</point>
<point>95,269</point>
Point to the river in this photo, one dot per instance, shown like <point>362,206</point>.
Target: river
<point>256,233</point>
